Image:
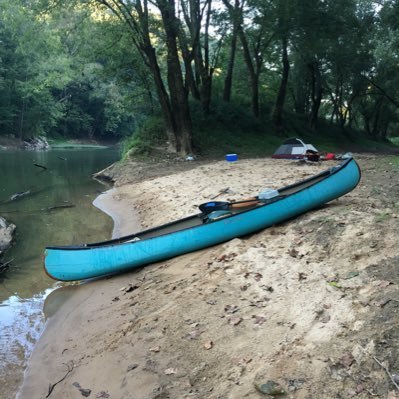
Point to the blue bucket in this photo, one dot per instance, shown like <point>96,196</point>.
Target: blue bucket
<point>231,157</point>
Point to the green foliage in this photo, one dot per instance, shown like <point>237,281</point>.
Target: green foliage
<point>147,137</point>
<point>230,128</point>
<point>70,69</point>
<point>52,79</point>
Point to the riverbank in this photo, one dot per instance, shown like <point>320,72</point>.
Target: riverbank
<point>300,304</point>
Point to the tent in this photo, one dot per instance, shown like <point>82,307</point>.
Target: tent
<point>293,148</point>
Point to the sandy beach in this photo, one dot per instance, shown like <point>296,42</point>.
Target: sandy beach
<point>296,308</point>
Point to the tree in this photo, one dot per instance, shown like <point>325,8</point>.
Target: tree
<point>203,50</point>
<point>283,28</point>
<point>27,107</point>
<point>235,13</point>
<point>174,101</point>
<point>252,38</point>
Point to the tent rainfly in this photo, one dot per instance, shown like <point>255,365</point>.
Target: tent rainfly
<point>293,149</point>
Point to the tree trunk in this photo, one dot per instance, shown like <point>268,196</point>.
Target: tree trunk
<point>316,93</point>
<point>228,82</point>
<point>253,76</point>
<point>279,105</point>
<point>377,116</point>
<point>205,66</point>
<point>366,121</point>
<point>174,101</point>
<point>21,119</point>
<point>236,15</point>
<point>202,80</point>
<point>190,82</point>
<point>178,93</point>
<point>166,108</point>
<point>300,86</point>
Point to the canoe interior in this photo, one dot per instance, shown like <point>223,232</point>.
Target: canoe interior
<point>198,219</point>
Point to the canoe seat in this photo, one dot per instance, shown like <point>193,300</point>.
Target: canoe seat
<point>215,215</point>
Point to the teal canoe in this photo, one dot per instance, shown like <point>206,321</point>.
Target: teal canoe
<point>213,225</point>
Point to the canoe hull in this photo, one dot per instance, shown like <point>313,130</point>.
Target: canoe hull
<point>68,264</point>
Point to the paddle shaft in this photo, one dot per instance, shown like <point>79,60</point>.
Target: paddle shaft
<point>209,207</point>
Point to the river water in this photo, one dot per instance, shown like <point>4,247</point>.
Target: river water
<point>57,209</point>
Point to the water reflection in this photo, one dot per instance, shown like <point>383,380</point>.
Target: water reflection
<point>42,220</point>
<point>57,298</point>
<point>21,325</point>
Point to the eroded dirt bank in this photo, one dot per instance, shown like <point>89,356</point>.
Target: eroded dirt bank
<point>310,305</point>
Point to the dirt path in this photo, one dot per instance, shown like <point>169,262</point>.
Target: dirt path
<point>309,307</point>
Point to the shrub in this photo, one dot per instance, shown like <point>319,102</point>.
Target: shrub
<point>150,134</point>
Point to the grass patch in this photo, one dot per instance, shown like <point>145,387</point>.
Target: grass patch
<point>394,161</point>
<point>382,217</point>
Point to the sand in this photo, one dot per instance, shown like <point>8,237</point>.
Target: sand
<point>299,304</point>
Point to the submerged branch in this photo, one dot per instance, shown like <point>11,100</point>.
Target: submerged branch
<point>47,209</point>
<point>51,208</point>
<point>40,166</point>
<point>4,266</point>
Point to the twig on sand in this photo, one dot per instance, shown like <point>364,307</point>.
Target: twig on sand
<point>387,371</point>
<point>223,191</point>
<point>51,387</point>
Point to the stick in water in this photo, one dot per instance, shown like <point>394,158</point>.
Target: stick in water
<point>40,166</point>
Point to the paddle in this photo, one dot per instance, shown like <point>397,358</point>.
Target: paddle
<point>266,196</point>
<point>209,207</point>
